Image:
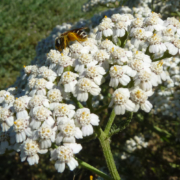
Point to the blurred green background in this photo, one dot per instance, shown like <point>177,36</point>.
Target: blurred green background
<point>25,22</point>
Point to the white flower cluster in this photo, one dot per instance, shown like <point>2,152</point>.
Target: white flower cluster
<point>166,7</point>
<point>40,116</point>
<point>131,145</point>
<point>112,3</point>
<point>36,122</point>
<point>166,99</point>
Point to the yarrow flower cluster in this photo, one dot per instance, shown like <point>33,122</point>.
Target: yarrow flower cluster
<point>131,145</point>
<point>126,54</point>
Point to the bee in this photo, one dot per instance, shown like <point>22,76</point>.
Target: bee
<point>63,40</point>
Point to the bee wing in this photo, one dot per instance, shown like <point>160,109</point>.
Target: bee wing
<point>74,30</point>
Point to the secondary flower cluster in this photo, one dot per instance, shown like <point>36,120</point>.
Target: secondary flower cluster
<point>167,99</point>
<point>125,55</point>
<point>137,142</point>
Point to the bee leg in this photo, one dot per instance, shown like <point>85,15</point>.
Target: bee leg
<point>66,44</point>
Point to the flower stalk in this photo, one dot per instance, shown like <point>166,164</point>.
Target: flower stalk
<point>105,144</point>
<point>93,169</point>
<point>110,122</point>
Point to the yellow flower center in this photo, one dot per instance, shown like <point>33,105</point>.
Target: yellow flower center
<point>138,94</point>
<point>115,68</point>
<point>160,63</point>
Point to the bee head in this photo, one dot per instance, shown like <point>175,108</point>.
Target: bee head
<point>57,42</point>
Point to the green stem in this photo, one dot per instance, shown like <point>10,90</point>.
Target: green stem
<point>110,122</point>
<point>123,126</point>
<point>93,169</point>
<point>77,102</point>
<point>101,108</point>
<point>87,138</point>
<point>89,103</point>
<point>166,55</point>
<point>105,143</point>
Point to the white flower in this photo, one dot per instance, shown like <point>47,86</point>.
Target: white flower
<point>121,100</point>
<point>169,83</point>
<point>85,120</point>
<point>140,142</point>
<point>91,45</point>
<point>46,136</point>
<point>63,155</point>
<point>22,129</point>
<point>137,65</point>
<point>40,114</point>
<point>77,49</point>
<point>31,83</point>
<point>119,29</point>
<point>65,51</point>
<point>63,111</point>
<point>126,18</point>
<point>8,100</point>
<point>54,96</point>
<point>139,37</point>
<point>53,58</point>
<point>12,90</point>
<point>174,70</point>
<point>47,74</point>
<point>139,97</point>
<point>27,69</point>
<point>39,100</point>
<point>137,23</point>
<point>95,73</point>
<point>6,119</point>
<point>32,71</point>
<point>173,46</point>
<point>116,17</point>
<point>167,34</point>
<point>20,106</point>
<point>172,22</point>
<point>144,79</point>
<point>157,72</point>
<point>105,29</point>
<point>156,44</point>
<point>143,57</point>
<point>65,61</point>
<point>84,60</point>
<point>3,94</point>
<point>120,74</point>
<point>68,79</point>
<point>120,56</point>
<point>85,86</point>
<point>153,22</point>
<point>29,150</point>
<point>107,45</point>
<point>107,19</point>
<point>41,70</point>
<point>40,87</point>
<point>102,57</point>
<point>68,132</point>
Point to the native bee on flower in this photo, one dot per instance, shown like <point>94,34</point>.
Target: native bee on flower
<point>63,40</point>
